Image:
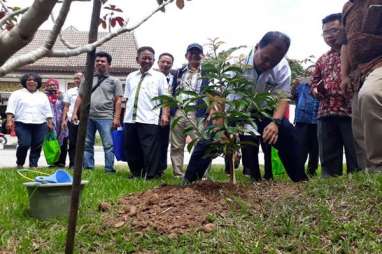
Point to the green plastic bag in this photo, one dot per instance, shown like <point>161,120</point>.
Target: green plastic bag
<point>51,148</point>
<point>277,165</point>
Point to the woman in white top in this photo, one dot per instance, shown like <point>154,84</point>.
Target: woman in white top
<point>29,112</point>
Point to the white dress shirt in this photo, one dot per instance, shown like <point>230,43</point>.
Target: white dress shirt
<point>70,98</point>
<point>154,84</point>
<point>276,80</point>
<point>191,81</point>
<point>170,79</point>
<point>27,107</point>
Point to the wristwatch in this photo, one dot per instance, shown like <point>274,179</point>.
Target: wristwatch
<point>277,121</point>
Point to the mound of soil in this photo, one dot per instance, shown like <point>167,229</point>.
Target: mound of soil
<point>179,209</point>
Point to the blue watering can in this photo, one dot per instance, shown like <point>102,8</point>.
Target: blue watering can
<point>60,176</point>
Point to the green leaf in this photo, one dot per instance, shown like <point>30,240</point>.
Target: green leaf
<point>175,121</point>
<point>191,144</point>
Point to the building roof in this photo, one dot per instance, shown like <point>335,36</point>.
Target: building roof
<point>122,48</point>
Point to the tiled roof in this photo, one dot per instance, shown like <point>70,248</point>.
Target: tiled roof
<point>122,48</point>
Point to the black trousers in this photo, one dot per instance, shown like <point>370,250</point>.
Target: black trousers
<point>142,149</point>
<point>287,145</point>
<point>73,129</point>
<point>64,150</point>
<point>250,155</point>
<point>335,134</point>
<point>307,134</point>
<point>164,137</point>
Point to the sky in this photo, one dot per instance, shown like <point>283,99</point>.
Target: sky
<point>236,22</point>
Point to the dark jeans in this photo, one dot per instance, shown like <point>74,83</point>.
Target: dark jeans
<point>287,145</point>
<point>29,136</point>
<point>164,136</point>
<point>251,158</point>
<point>142,149</point>
<point>334,134</point>
<point>73,129</point>
<point>307,134</point>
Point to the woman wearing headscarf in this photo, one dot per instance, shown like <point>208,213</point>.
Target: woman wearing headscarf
<point>57,105</point>
<point>29,112</point>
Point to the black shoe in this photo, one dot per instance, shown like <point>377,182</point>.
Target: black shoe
<point>268,178</point>
<point>312,173</point>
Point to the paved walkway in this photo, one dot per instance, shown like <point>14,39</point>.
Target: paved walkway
<point>8,158</point>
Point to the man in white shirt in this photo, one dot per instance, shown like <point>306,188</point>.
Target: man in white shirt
<point>270,72</point>
<point>70,100</point>
<point>142,118</point>
<point>165,63</point>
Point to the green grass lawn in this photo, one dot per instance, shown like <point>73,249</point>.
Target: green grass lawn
<point>337,215</point>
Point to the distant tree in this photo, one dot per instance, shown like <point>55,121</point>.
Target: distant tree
<point>297,67</point>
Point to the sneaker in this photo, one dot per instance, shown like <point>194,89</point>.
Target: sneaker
<point>178,174</point>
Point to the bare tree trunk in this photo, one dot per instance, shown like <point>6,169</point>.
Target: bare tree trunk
<point>90,60</point>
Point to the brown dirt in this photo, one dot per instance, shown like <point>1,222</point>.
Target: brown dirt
<point>178,209</point>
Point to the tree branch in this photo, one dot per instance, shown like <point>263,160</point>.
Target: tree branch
<point>24,36</point>
<point>89,47</point>
<point>20,35</point>
<point>63,41</point>
<point>43,51</point>
<point>11,15</point>
<point>58,24</point>
<point>4,6</point>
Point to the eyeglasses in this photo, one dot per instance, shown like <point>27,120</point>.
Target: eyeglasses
<point>332,31</point>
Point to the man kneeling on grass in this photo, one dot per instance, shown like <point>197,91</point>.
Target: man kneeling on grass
<point>269,71</point>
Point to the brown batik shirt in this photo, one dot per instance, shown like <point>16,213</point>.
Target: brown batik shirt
<point>362,22</point>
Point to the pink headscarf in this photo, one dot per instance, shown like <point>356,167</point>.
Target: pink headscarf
<point>52,91</point>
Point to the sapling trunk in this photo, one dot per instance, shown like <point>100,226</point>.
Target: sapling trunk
<point>231,168</point>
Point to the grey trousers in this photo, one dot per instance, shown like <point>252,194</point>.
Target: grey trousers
<point>367,121</point>
<point>178,139</point>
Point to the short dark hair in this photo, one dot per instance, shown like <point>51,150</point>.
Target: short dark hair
<point>273,36</point>
<point>144,48</point>
<point>166,54</point>
<point>104,54</point>
<point>35,76</point>
<point>332,17</point>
